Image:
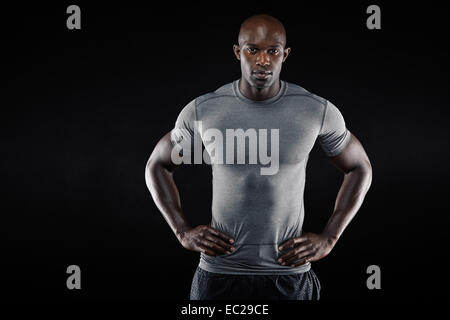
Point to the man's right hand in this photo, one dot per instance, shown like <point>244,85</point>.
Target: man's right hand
<point>206,239</point>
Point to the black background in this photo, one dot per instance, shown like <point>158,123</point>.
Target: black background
<point>83,109</point>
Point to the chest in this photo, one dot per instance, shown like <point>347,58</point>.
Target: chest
<point>247,135</point>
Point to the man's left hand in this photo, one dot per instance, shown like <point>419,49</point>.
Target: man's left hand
<point>309,247</point>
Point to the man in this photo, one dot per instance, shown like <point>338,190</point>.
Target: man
<point>254,246</point>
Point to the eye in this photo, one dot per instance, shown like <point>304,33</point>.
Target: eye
<point>274,51</point>
<point>251,50</point>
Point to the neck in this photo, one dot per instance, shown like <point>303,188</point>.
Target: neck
<point>259,94</point>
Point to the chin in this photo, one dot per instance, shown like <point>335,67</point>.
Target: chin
<point>258,84</point>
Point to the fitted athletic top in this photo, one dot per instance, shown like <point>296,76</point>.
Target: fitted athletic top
<point>259,211</point>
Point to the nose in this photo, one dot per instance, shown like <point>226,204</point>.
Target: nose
<point>262,59</point>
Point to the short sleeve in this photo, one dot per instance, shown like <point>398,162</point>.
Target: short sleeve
<point>333,136</point>
<point>183,134</point>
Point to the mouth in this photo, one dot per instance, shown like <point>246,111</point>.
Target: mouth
<point>261,74</point>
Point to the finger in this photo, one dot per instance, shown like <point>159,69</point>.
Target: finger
<point>293,254</point>
<point>212,245</point>
<point>303,261</point>
<point>294,251</point>
<point>299,256</point>
<point>220,234</point>
<point>227,247</point>
<point>206,250</point>
<point>288,255</point>
<point>292,242</point>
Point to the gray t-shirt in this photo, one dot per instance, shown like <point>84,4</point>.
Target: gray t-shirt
<point>260,211</point>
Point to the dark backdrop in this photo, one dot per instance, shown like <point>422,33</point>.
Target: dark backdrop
<point>83,110</point>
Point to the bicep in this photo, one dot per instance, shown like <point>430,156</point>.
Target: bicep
<point>162,154</point>
<point>352,157</point>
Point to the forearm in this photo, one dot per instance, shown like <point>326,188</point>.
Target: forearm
<point>349,199</point>
<point>165,194</point>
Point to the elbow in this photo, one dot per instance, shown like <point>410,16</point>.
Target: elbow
<point>366,166</point>
<point>155,167</point>
<point>149,167</point>
<point>366,169</point>
<point>363,172</point>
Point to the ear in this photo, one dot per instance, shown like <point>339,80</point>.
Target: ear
<point>286,52</point>
<point>237,51</point>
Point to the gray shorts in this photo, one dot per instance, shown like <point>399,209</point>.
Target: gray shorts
<point>216,286</point>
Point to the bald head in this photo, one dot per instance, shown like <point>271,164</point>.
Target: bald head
<point>262,51</point>
<point>262,26</point>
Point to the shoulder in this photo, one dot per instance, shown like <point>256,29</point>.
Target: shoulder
<point>223,92</point>
<point>191,109</point>
<point>294,90</point>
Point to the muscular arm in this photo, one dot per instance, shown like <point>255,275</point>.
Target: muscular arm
<point>355,165</point>
<point>159,179</point>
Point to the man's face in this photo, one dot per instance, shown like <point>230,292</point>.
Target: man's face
<point>262,55</point>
